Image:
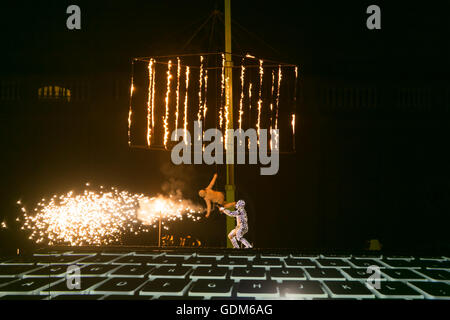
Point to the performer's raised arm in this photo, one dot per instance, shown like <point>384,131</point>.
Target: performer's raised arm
<point>212,182</point>
<point>229,213</point>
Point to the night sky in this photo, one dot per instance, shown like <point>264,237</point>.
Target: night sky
<point>356,175</point>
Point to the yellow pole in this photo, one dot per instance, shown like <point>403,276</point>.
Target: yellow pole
<point>229,187</point>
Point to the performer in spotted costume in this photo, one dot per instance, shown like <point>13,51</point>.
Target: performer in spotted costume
<point>241,225</point>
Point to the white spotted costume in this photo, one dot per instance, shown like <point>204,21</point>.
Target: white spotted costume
<point>241,225</point>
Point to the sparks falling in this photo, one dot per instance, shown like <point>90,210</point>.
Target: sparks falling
<point>130,111</point>
<point>200,86</point>
<point>277,107</point>
<point>186,105</point>
<point>98,218</point>
<point>222,90</point>
<point>166,116</point>
<point>149,102</point>
<point>241,102</point>
<point>261,74</point>
<point>227,113</point>
<point>178,96</point>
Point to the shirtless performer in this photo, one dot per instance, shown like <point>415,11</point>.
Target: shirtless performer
<point>210,195</point>
<point>237,234</point>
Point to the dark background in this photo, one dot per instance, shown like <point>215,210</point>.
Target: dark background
<point>373,115</point>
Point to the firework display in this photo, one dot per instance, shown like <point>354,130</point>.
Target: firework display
<point>162,97</point>
<point>101,217</point>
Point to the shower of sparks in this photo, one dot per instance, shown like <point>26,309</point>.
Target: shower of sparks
<point>166,117</point>
<point>261,74</point>
<point>271,99</point>
<point>165,208</point>
<point>153,94</point>
<point>178,96</point>
<point>222,89</point>
<point>277,107</point>
<point>97,218</point>
<point>149,102</point>
<point>278,96</point>
<point>3,225</point>
<point>205,96</point>
<point>200,99</point>
<point>130,112</point>
<point>293,123</point>
<point>241,102</point>
<point>249,107</point>
<point>227,113</point>
<point>186,105</point>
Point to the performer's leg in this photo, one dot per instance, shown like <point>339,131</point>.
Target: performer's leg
<point>239,236</point>
<point>232,237</point>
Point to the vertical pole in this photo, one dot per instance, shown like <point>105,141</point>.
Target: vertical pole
<point>229,187</point>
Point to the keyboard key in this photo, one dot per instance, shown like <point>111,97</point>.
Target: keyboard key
<point>359,274</point>
<point>364,263</point>
<point>49,271</point>
<point>185,255</point>
<point>399,257</point>
<point>232,298</point>
<point>199,261</point>
<point>98,259</point>
<point>211,287</point>
<point>132,271</point>
<point>334,256</point>
<point>257,288</point>
<point>133,260</point>
<point>304,255</point>
<point>82,297</point>
<point>150,253</point>
<point>295,263</point>
<point>117,297</point>
<point>4,281</point>
<point>287,274</point>
<point>430,264</point>
<point>267,262</point>
<point>233,262</point>
<point>124,286</point>
<point>439,275</point>
<point>209,272</point>
<point>433,289</point>
<point>397,290</point>
<point>97,270</point>
<point>368,256</point>
<point>324,274</point>
<point>20,260</point>
<point>15,271</point>
<point>348,289</point>
<point>46,260</point>
<point>401,263</point>
<point>162,286</point>
<point>169,261</point>
<point>23,297</point>
<point>248,273</point>
<point>27,286</point>
<point>402,274</point>
<point>181,298</point>
<point>274,255</point>
<point>302,289</point>
<point>212,254</point>
<point>85,286</point>
<point>240,254</point>
<point>41,253</point>
<point>170,272</point>
<point>332,263</point>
